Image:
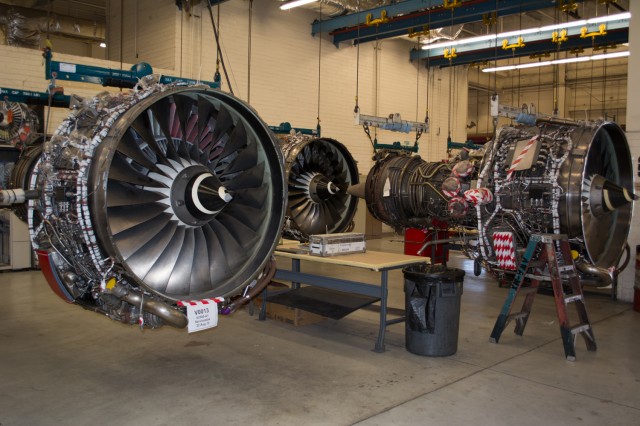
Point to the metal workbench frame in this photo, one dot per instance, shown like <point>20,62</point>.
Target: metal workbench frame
<point>295,276</point>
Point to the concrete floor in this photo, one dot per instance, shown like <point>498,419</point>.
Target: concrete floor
<point>62,365</point>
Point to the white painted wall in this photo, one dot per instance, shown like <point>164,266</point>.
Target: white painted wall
<point>627,279</point>
<point>285,59</point>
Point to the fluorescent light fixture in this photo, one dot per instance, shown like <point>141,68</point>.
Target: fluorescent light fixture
<point>459,42</point>
<point>534,64</point>
<point>610,55</point>
<point>103,44</point>
<point>571,60</point>
<point>525,31</point>
<point>608,18</point>
<point>559,61</point>
<point>296,3</point>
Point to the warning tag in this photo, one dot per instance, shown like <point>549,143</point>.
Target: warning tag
<point>202,314</point>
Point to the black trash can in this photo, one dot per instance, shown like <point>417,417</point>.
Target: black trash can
<point>432,306</point>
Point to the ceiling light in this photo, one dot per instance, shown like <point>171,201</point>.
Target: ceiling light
<point>296,3</point>
<point>102,44</point>
<point>559,61</point>
<point>525,31</point>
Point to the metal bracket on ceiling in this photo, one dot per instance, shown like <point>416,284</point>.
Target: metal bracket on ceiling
<point>424,32</point>
<point>540,55</point>
<point>605,47</point>
<point>514,46</point>
<point>450,54</point>
<point>602,30</point>
<point>559,37</point>
<point>451,4</point>
<point>381,20</point>
<point>489,19</point>
<point>567,6</point>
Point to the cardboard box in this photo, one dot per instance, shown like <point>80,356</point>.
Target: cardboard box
<point>294,316</point>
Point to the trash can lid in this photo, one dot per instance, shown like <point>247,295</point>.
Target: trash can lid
<point>439,273</point>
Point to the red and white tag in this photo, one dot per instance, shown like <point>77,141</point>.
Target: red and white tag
<point>505,249</point>
<point>202,314</point>
<point>523,153</point>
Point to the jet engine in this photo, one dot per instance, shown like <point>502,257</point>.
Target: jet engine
<point>17,122</point>
<point>550,178</point>
<point>318,173</point>
<point>169,194</point>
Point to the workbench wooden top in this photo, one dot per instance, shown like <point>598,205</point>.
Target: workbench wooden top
<point>372,260</point>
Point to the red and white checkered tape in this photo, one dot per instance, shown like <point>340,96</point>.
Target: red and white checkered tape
<point>451,186</point>
<point>457,207</point>
<point>215,300</point>
<point>505,249</point>
<point>463,168</point>
<point>519,158</point>
<point>479,196</point>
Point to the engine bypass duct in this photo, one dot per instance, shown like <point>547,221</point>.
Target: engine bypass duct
<point>550,178</point>
<point>172,193</point>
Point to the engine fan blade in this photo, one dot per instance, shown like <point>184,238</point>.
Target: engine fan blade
<point>122,171</point>
<point>205,112</point>
<point>158,276</point>
<point>251,178</point>
<point>224,123</point>
<point>142,126</point>
<point>161,113</point>
<point>132,239</point>
<point>246,159</point>
<point>179,281</point>
<point>235,254</point>
<point>253,197</point>
<point>143,259</point>
<point>126,217</point>
<point>243,234</point>
<point>218,267</point>
<point>250,216</point>
<point>237,140</point>
<point>124,194</point>
<point>200,280</point>
<point>130,148</point>
<point>184,108</point>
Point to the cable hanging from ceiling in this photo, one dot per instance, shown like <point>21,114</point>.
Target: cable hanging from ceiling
<point>318,127</point>
<point>219,57</point>
<point>249,52</point>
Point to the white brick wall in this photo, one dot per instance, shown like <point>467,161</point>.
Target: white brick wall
<point>24,69</point>
<point>147,30</point>
<point>284,76</point>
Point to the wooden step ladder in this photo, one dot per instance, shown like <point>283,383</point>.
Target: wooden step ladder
<point>548,258</point>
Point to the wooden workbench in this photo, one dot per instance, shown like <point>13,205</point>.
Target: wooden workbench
<point>371,260</point>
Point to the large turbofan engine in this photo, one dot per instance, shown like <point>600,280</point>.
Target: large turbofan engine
<point>569,179</point>
<point>318,172</point>
<point>166,195</point>
<point>573,180</point>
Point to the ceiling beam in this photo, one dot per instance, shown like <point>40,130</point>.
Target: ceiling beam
<point>468,45</point>
<point>415,14</point>
<point>617,36</point>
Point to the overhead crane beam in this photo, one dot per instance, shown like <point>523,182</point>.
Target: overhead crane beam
<point>411,14</point>
<point>613,37</point>
<point>538,42</point>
